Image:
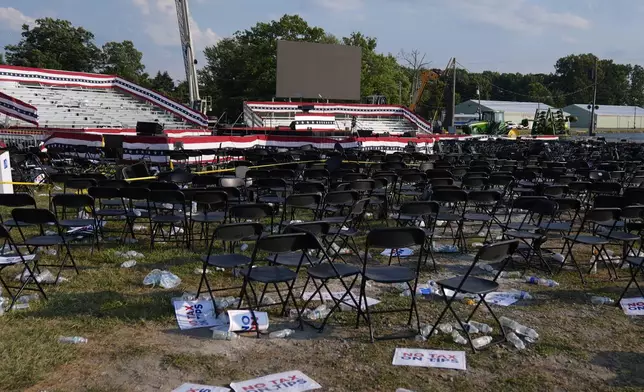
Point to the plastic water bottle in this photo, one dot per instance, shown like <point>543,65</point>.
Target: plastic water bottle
<point>223,335</point>
<point>520,294</point>
<point>518,328</point>
<point>471,329</point>
<point>541,281</point>
<point>72,339</point>
<point>514,274</point>
<point>482,341</point>
<point>558,257</point>
<point>25,299</point>
<point>482,327</point>
<point>601,300</point>
<point>281,334</point>
<point>318,313</point>
<point>458,338</point>
<point>445,328</point>
<point>516,341</point>
<point>426,329</point>
<point>243,247</point>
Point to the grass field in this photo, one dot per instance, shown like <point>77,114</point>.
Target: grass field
<point>135,345</point>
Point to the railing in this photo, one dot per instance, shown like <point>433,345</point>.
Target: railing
<point>20,141</point>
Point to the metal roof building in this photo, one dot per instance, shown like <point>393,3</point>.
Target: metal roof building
<point>608,116</point>
<point>514,111</point>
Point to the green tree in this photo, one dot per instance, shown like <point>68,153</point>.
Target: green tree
<point>122,59</point>
<point>540,93</point>
<point>2,59</point>
<point>163,83</point>
<point>636,88</point>
<point>243,66</point>
<point>381,74</point>
<point>56,44</point>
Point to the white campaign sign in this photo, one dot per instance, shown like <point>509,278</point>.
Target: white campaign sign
<point>293,381</point>
<point>633,306</point>
<point>241,320</point>
<point>430,358</point>
<point>187,387</point>
<point>195,314</point>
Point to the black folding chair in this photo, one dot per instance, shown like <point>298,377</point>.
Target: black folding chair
<point>230,234</point>
<point>76,213</point>
<point>420,214</point>
<point>587,235</point>
<point>169,210</point>
<point>394,238</point>
<point>110,208</point>
<point>44,219</point>
<point>274,275</point>
<point>15,200</point>
<point>467,284</point>
<point>214,209</point>
<point>27,276</point>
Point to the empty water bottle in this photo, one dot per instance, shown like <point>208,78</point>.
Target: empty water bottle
<point>514,274</point>
<point>243,247</point>
<point>281,334</point>
<point>601,301</point>
<point>445,328</point>
<point>218,334</point>
<point>426,329</point>
<point>516,341</point>
<point>541,281</point>
<point>482,341</point>
<point>518,328</point>
<point>268,300</point>
<point>318,313</point>
<point>471,329</point>
<point>25,299</point>
<point>558,257</point>
<point>72,339</point>
<point>128,264</point>
<point>458,338</point>
<point>482,327</point>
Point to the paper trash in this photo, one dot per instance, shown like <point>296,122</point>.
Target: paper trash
<point>402,252</point>
<point>195,314</point>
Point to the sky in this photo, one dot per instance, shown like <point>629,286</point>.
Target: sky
<point>499,35</point>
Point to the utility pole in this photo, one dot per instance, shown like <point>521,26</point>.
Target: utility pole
<point>478,92</point>
<point>634,116</point>
<point>453,123</point>
<point>591,130</point>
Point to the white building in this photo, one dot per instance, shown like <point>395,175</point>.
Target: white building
<point>607,116</point>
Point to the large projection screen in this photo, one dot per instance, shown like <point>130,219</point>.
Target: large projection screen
<point>308,70</point>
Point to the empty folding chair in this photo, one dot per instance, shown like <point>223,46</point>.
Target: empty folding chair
<point>45,219</point>
<point>110,208</point>
<point>499,252</point>
<point>76,214</point>
<point>252,212</point>
<point>393,238</point>
<point>274,275</point>
<point>214,207</point>
<point>421,214</point>
<point>168,217</point>
<point>27,277</point>
<point>309,202</point>
<point>15,200</point>
<point>229,235</point>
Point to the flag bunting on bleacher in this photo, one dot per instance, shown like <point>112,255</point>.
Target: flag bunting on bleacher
<point>16,108</point>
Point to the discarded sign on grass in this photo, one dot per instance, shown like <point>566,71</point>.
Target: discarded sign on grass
<point>195,314</point>
<point>402,252</point>
<point>293,381</point>
<point>430,358</point>
<point>187,387</point>
<point>633,306</point>
<point>242,320</point>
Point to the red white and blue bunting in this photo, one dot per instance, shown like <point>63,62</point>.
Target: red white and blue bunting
<point>16,108</point>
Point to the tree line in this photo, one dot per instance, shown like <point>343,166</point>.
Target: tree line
<point>243,67</point>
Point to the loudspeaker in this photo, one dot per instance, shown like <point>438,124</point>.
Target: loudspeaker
<point>113,146</point>
<point>148,128</point>
<point>306,108</point>
<point>365,132</point>
<point>409,134</point>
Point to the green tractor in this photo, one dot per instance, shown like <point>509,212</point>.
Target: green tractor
<point>492,123</point>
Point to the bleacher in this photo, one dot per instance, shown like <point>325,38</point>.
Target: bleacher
<point>80,107</point>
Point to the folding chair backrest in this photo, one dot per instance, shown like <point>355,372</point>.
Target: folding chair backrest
<point>608,201</point>
<point>231,182</point>
<point>212,199</point>
<point>602,215</point>
<point>632,212</point>
<point>316,228</point>
<point>103,192</point>
<point>568,204</point>
<point>309,187</point>
<point>72,201</point>
<point>633,196</point>
<point>419,208</point>
<point>341,198</point>
<point>497,251</point>
<point>33,216</point>
<point>484,197</point>
<point>303,200</point>
<point>15,200</point>
<point>206,180</point>
<point>449,195</point>
<point>113,183</point>
<point>278,243</point>
<point>395,237</point>
<point>362,185</point>
<point>251,211</point>
<point>237,231</point>
<point>163,186</point>
<point>135,193</point>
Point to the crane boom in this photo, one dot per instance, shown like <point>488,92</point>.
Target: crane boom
<point>425,77</point>
<point>189,61</point>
